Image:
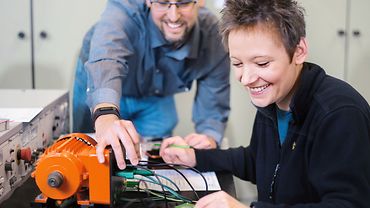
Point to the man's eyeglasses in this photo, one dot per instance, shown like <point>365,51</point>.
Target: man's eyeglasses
<point>163,5</point>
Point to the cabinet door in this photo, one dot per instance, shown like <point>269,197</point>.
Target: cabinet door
<point>359,47</point>
<point>15,44</point>
<point>326,34</point>
<point>59,29</point>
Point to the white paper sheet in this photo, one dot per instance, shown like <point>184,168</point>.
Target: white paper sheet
<point>194,178</point>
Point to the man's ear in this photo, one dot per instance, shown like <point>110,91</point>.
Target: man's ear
<point>301,51</point>
<point>148,4</point>
<point>201,3</point>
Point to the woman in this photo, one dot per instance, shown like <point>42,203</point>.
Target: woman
<point>310,145</point>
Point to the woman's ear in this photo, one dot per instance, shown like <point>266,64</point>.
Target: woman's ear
<point>301,51</point>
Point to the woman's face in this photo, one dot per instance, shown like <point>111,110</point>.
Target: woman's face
<point>263,66</point>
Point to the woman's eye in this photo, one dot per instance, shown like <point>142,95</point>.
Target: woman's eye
<point>238,65</point>
<point>263,64</point>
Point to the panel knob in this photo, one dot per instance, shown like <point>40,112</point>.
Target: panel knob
<point>8,166</point>
<point>341,33</point>
<point>21,35</point>
<point>356,33</point>
<point>24,154</point>
<point>43,35</point>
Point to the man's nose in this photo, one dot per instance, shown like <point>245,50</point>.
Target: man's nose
<point>173,13</point>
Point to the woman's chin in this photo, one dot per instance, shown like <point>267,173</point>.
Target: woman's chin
<point>260,104</point>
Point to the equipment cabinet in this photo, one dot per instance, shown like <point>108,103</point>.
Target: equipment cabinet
<point>41,39</point>
<point>338,34</point>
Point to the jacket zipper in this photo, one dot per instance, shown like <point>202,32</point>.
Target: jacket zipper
<point>273,183</point>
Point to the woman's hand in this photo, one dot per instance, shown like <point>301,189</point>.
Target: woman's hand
<point>176,150</point>
<point>219,199</point>
<point>200,141</point>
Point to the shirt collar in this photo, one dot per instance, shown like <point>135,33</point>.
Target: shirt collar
<point>188,50</point>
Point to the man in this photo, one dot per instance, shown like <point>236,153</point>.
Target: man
<point>310,144</point>
<point>142,53</point>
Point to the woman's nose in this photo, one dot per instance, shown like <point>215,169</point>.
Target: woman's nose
<point>249,76</point>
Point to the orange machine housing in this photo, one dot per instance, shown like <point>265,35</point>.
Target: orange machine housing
<point>70,168</point>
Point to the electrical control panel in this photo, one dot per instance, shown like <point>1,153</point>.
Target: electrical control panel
<point>36,119</point>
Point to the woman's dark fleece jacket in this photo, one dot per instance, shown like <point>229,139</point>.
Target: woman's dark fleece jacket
<point>325,159</point>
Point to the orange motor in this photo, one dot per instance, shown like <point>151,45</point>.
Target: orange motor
<point>70,168</point>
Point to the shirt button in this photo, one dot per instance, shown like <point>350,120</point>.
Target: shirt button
<point>157,71</point>
<point>156,91</point>
<point>186,89</point>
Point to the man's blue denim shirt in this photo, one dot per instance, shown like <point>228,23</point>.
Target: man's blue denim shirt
<point>130,57</point>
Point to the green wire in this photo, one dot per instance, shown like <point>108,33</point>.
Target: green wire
<point>138,200</point>
<point>169,180</point>
<point>169,198</point>
<point>147,174</point>
<point>173,192</point>
<point>179,196</point>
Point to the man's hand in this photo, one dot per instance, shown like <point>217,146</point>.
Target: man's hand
<point>201,141</point>
<point>176,150</point>
<point>219,199</point>
<point>110,131</point>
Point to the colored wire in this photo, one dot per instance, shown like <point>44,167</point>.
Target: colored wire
<point>169,180</point>
<point>143,164</point>
<point>193,169</point>
<point>173,192</point>
<point>170,165</point>
<point>160,183</point>
<point>131,201</point>
<point>172,199</point>
<point>156,164</point>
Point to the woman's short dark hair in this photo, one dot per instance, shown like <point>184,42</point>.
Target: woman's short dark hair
<point>284,16</point>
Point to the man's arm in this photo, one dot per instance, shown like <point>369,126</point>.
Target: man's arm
<point>212,101</point>
<point>107,68</point>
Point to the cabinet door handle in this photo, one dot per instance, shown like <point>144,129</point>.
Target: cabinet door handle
<point>21,35</point>
<point>341,33</point>
<point>43,35</point>
<point>356,33</point>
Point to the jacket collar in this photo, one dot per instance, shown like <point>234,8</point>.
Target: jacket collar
<point>309,82</point>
